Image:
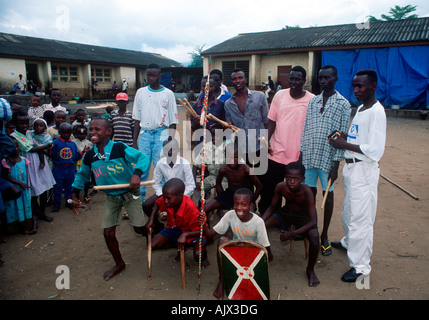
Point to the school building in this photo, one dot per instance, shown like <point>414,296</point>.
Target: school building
<point>74,68</point>
<point>397,50</point>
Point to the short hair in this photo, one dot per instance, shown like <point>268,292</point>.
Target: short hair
<point>238,70</point>
<point>298,166</point>
<point>107,123</point>
<point>329,66</point>
<point>48,115</point>
<point>59,111</point>
<point>54,89</point>
<point>109,108</point>
<point>154,66</point>
<point>65,126</point>
<point>218,72</point>
<point>300,69</point>
<point>80,110</point>
<point>372,75</point>
<point>244,191</point>
<point>17,114</point>
<point>175,185</point>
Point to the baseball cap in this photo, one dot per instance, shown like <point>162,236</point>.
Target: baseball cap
<point>122,96</point>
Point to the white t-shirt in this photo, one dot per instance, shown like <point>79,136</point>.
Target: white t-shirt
<point>368,130</point>
<point>253,230</point>
<point>155,108</point>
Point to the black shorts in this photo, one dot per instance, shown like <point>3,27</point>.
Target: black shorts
<point>288,218</point>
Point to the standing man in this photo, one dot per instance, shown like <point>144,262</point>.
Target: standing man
<point>364,147</point>
<point>154,112</point>
<point>285,123</point>
<point>248,110</point>
<point>327,112</point>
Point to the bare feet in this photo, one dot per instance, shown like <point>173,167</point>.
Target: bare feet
<point>109,274</point>
<point>313,281</point>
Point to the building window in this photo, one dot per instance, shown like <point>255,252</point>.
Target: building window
<point>228,66</point>
<point>100,74</point>
<point>64,73</point>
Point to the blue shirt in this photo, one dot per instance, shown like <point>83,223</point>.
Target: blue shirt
<point>114,167</point>
<point>64,152</point>
<point>253,121</point>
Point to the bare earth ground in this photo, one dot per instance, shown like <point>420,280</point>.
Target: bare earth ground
<point>399,261</point>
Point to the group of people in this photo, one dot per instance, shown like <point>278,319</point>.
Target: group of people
<point>279,153</point>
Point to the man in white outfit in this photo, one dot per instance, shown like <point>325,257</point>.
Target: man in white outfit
<point>364,147</point>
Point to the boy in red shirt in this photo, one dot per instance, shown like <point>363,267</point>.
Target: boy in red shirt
<point>182,228</point>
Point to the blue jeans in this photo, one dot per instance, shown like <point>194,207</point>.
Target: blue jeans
<point>150,143</point>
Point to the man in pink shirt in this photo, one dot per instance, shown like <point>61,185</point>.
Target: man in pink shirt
<point>286,122</point>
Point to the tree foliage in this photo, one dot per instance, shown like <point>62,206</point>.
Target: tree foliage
<point>397,13</point>
<point>196,58</point>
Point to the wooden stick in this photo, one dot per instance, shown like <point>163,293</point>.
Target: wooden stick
<point>326,193</point>
<point>397,185</point>
<point>292,241</point>
<point>120,186</point>
<point>149,254</point>
<point>182,267</point>
<point>225,124</point>
<point>188,107</point>
<point>262,139</point>
<point>76,204</point>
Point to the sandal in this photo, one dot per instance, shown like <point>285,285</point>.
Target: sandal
<point>326,251</point>
<point>87,200</point>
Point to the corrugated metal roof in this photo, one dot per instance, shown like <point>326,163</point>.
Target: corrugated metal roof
<point>373,33</point>
<point>17,45</point>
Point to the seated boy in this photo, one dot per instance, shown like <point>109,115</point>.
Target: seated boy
<point>182,228</point>
<point>299,211</point>
<point>244,224</point>
<point>214,155</point>
<point>170,166</point>
<point>239,176</point>
<point>112,163</point>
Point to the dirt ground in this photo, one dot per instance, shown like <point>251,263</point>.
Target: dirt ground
<point>399,261</point>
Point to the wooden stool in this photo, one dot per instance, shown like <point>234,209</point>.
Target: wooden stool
<point>292,244</point>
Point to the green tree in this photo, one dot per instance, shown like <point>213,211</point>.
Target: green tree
<point>196,58</point>
<point>397,13</point>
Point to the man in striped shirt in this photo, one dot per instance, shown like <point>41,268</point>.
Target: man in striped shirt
<point>326,113</point>
<point>122,121</point>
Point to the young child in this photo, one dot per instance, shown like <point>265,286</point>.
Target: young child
<point>48,116</point>
<point>244,224</point>
<point>59,118</point>
<point>299,211</point>
<point>122,121</point>
<point>239,176</point>
<point>64,155</point>
<point>116,159</point>
<point>214,154</point>
<point>182,228</point>
<point>55,105</point>
<point>109,110</point>
<point>40,137</point>
<point>80,118</point>
<point>40,179</point>
<point>36,110</point>
<point>14,169</point>
<point>81,132</point>
<point>171,166</point>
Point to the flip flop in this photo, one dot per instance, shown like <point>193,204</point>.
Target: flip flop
<point>326,251</point>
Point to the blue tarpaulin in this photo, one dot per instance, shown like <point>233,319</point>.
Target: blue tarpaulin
<point>403,73</point>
